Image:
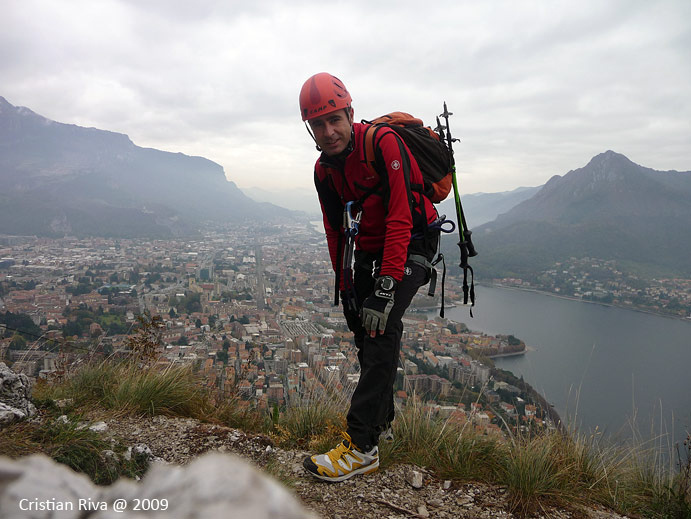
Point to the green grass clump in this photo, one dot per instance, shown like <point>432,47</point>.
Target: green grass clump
<point>126,388</point>
<point>173,391</point>
<point>73,444</point>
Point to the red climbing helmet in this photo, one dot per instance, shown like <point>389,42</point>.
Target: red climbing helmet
<point>322,94</point>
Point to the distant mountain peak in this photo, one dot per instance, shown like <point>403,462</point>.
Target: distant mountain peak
<point>611,208</point>
<point>608,155</point>
<point>610,159</point>
<point>609,168</point>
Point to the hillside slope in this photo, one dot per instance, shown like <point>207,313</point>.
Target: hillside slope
<point>65,179</point>
<point>611,209</point>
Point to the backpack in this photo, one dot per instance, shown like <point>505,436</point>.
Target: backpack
<point>429,150</point>
<point>435,160</point>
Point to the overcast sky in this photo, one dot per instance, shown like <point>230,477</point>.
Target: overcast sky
<point>537,88</point>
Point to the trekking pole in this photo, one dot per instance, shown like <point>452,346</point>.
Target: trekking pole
<point>465,243</point>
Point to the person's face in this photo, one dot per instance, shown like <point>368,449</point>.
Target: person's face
<point>332,131</point>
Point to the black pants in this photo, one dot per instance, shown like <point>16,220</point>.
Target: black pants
<point>371,406</point>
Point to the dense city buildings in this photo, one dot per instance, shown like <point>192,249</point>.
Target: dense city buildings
<point>251,309</point>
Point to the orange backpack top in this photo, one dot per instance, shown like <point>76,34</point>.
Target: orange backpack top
<point>429,150</point>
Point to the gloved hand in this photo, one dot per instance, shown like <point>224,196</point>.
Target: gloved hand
<point>376,308</point>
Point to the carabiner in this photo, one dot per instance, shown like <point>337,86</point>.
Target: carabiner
<point>439,223</point>
<point>352,223</point>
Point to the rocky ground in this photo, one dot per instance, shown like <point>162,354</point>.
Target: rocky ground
<point>399,491</point>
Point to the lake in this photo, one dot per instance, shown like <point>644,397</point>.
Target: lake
<point>600,366</point>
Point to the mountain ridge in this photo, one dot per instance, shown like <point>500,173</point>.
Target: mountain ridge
<point>608,174</point>
<point>481,208</point>
<point>611,208</point>
<point>68,179</point>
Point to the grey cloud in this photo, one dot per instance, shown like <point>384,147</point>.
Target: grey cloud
<point>537,88</point>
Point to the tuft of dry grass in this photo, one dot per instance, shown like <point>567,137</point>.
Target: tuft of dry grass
<point>454,450</point>
<point>539,471</point>
<point>126,388</point>
<point>314,423</point>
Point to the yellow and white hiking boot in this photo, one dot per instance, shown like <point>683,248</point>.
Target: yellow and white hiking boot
<point>343,462</point>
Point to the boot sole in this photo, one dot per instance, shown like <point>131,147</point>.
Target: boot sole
<point>362,470</point>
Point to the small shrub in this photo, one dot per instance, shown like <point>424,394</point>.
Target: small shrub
<point>594,465</point>
<point>467,455</point>
<point>89,385</point>
<point>146,344</point>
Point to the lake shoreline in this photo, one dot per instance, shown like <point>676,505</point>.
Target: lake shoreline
<point>596,359</point>
<point>512,354</point>
<point>578,299</point>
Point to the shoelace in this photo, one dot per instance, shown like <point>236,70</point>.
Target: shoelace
<point>342,450</point>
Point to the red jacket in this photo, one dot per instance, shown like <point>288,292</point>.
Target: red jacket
<point>389,215</point>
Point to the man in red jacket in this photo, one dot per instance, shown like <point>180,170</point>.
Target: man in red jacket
<point>387,220</point>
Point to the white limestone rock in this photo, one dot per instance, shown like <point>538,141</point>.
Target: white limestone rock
<point>15,395</point>
<point>213,486</point>
<point>414,478</point>
<point>99,427</point>
<point>36,487</point>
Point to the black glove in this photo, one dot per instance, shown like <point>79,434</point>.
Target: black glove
<point>376,308</point>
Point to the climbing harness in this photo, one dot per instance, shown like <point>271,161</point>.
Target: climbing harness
<point>436,225</point>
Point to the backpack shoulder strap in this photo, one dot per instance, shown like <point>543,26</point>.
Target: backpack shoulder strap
<point>369,148</point>
<point>371,137</point>
<point>374,159</point>
<point>370,144</point>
